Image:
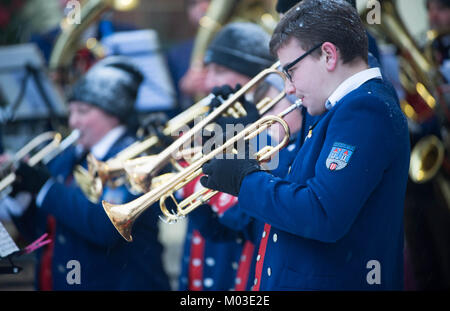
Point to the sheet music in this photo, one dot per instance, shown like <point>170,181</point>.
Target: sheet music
<point>7,245</point>
<point>143,47</point>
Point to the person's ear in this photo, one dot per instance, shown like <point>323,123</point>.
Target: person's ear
<point>330,55</point>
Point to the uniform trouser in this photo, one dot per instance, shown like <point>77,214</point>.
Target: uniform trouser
<point>427,233</point>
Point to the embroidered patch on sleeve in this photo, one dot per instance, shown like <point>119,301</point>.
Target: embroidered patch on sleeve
<point>339,156</point>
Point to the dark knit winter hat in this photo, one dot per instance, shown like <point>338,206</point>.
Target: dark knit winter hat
<point>242,47</point>
<point>112,84</point>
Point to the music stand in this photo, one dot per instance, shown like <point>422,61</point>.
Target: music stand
<point>26,93</point>
<point>156,93</point>
<point>8,248</point>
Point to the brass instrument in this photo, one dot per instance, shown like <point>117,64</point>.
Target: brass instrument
<point>221,12</point>
<point>201,197</point>
<point>422,81</point>
<point>419,75</point>
<point>123,216</point>
<point>67,43</point>
<point>125,168</point>
<point>53,139</point>
<point>158,162</point>
<point>138,173</point>
<point>141,171</point>
<point>112,171</point>
<point>426,159</point>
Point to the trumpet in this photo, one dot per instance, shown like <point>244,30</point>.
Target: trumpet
<point>112,171</point>
<point>124,216</point>
<point>202,196</point>
<point>44,155</point>
<point>138,173</point>
<point>231,106</point>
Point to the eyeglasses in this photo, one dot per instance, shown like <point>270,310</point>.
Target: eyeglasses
<point>293,63</point>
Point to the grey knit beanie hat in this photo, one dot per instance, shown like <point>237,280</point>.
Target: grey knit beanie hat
<point>242,47</point>
<point>112,84</point>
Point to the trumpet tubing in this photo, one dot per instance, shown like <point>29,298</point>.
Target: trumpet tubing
<point>162,159</point>
<point>188,116</point>
<point>150,168</point>
<point>119,170</point>
<point>265,154</point>
<point>139,178</point>
<point>123,216</point>
<point>54,141</point>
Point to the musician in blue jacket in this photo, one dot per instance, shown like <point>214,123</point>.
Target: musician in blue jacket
<point>335,220</point>
<point>238,52</point>
<point>87,252</point>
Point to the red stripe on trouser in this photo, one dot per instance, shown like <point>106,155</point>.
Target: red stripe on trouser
<point>261,253</point>
<point>45,269</point>
<point>244,266</point>
<point>196,261</point>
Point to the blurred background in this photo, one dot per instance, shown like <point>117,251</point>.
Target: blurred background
<point>44,48</point>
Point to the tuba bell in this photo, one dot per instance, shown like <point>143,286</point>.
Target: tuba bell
<point>221,12</point>
<point>68,41</point>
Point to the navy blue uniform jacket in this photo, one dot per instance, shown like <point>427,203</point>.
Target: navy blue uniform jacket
<point>85,234</point>
<point>334,213</point>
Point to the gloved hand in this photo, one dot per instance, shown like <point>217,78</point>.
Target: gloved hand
<point>226,174</point>
<point>30,178</point>
<point>225,91</point>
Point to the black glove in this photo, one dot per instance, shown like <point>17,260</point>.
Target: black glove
<point>154,124</point>
<point>30,178</point>
<point>250,108</point>
<point>226,175</point>
<point>224,92</point>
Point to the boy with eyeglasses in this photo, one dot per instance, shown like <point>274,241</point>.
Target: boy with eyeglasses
<point>335,221</point>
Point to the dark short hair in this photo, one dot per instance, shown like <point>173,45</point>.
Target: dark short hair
<point>444,3</point>
<point>314,21</point>
<point>284,5</point>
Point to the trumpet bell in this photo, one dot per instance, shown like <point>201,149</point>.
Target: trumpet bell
<point>138,176</point>
<point>91,187</point>
<point>123,216</point>
<point>120,218</point>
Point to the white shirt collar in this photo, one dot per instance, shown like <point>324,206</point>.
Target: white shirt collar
<point>101,148</point>
<point>352,84</point>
